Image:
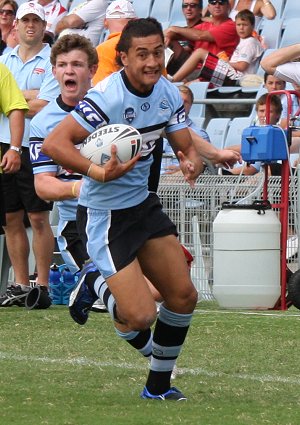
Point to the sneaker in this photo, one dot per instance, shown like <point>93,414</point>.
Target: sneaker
<point>99,307</point>
<point>172,394</point>
<point>81,300</point>
<point>14,295</point>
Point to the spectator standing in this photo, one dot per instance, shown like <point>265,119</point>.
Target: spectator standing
<point>14,106</point>
<point>216,36</point>
<point>86,19</point>
<point>243,61</point>
<point>8,10</point>
<point>29,63</point>
<point>117,15</point>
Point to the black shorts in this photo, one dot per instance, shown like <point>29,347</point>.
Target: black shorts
<point>18,188</point>
<point>114,237</point>
<point>71,246</point>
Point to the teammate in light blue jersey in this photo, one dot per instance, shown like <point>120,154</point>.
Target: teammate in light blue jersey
<point>74,62</point>
<point>128,236</point>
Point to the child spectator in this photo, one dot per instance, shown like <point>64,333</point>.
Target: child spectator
<point>274,117</point>
<point>219,72</point>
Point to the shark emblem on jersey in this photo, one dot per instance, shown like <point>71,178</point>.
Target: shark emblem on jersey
<point>164,104</point>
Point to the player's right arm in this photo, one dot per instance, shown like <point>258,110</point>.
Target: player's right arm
<point>69,133</point>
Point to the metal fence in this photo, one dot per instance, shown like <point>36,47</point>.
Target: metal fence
<point>194,210</point>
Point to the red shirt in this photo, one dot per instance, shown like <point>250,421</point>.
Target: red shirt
<point>225,35</point>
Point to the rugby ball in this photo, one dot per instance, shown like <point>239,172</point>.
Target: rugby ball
<point>97,146</point>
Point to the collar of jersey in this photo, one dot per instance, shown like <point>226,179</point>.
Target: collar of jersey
<point>132,89</point>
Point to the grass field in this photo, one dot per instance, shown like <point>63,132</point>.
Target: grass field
<point>236,368</point>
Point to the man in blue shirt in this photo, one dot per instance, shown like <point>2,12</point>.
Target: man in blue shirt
<point>128,236</point>
<point>29,63</point>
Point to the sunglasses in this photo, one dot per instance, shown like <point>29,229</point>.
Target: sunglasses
<point>191,5</point>
<point>7,12</point>
<point>220,2</point>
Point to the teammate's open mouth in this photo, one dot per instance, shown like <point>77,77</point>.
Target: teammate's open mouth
<point>70,83</point>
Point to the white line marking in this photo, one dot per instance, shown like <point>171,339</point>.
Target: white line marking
<point>83,361</point>
<point>248,313</point>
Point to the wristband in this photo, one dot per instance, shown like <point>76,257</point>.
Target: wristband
<point>89,171</point>
<point>74,189</point>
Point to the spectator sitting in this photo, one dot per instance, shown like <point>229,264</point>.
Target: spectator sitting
<point>54,12</point>
<point>117,15</point>
<point>8,10</point>
<point>217,35</point>
<point>201,141</point>
<point>260,8</point>
<point>272,83</point>
<point>260,119</point>
<point>86,19</point>
<point>243,61</point>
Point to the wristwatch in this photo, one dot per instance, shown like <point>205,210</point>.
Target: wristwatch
<point>15,148</point>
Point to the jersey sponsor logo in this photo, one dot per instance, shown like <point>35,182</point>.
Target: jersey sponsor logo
<point>164,104</point>
<point>129,115</point>
<point>145,106</point>
<point>38,71</point>
<point>89,113</point>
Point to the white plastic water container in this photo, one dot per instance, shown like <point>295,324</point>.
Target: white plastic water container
<point>246,257</point>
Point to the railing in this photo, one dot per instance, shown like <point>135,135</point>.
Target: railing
<point>194,210</point>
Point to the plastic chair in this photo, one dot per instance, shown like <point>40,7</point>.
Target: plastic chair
<point>291,34</point>
<point>217,130</point>
<point>161,10</point>
<point>237,125</point>
<point>199,90</point>
<point>290,11</point>
<point>260,70</point>
<point>199,121</point>
<point>176,14</point>
<point>142,8</point>
<point>271,32</point>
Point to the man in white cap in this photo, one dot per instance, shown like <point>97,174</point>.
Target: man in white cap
<point>86,19</point>
<point>30,64</point>
<point>118,13</point>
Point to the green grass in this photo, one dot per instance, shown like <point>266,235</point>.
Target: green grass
<point>236,369</point>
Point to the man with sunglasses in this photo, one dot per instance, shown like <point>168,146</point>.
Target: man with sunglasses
<point>216,36</point>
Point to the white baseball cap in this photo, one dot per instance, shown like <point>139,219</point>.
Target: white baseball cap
<point>119,9</point>
<point>30,7</point>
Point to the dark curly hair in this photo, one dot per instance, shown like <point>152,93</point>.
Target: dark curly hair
<point>71,42</point>
<point>137,28</point>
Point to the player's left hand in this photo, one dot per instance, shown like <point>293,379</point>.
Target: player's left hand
<point>190,170</point>
<point>114,168</point>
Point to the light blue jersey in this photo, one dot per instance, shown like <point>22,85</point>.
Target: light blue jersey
<point>115,101</point>
<point>35,74</point>
<point>41,125</point>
